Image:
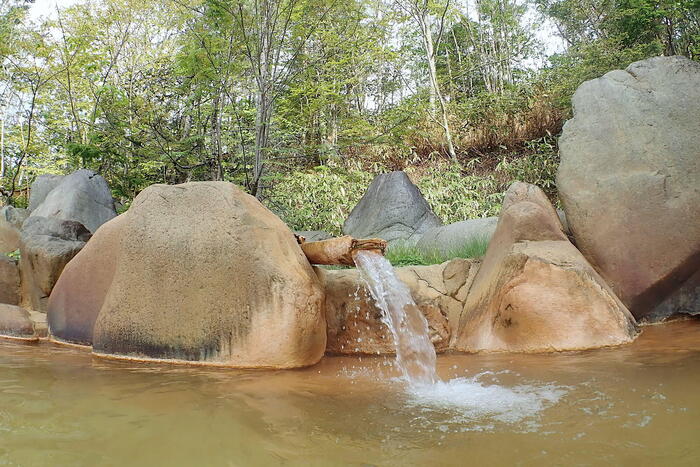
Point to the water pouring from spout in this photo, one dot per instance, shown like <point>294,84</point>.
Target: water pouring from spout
<point>415,354</point>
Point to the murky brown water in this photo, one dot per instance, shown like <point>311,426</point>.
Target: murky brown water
<point>634,405</point>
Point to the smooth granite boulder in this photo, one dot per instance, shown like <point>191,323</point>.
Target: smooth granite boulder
<point>393,209</point>
<point>41,187</point>
<point>629,180</point>
<point>11,220</point>
<point>534,291</point>
<point>80,291</point>
<point>82,196</point>
<point>9,281</point>
<point>204,273</point>
<point>46,246</point>
<point>451,237</point>
<point>16,323</point>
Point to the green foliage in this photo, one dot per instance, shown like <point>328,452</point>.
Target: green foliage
<point>537,166</point>
<point>318,199</point>
<point>405,255</point>
<point>455,194</point>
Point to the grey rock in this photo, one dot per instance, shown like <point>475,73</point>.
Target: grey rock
<point>42,186</point>
<point>629,180</point>
<point>313,235</point>
<point>393,209</point>
<point>9,281</point>
<point>46,246</point>
<point>447,238</point>
<point>82,196</point>
<point>11,220</point>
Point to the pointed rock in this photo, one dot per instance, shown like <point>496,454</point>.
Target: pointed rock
<point>392,209</point>
<point>534,292</point>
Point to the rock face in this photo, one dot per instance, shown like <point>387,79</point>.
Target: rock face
<point>534,291</point>
<point>205,273</point>
<point>448,238</point>
<point>629,180</point>
<point>15,322</point>
<point>9,281</point>
<point>41,187</point>
<point>46,246</point>
<point>354,321</point>
<point>80,291</point>
<point>11,220</point>
<point>82,196</point>
<point>393,209</point>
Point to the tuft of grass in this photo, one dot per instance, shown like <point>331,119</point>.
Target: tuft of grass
<point>409,255</point>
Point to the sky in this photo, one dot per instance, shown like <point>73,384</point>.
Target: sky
<point>48,7</point>
<point>545,33</point>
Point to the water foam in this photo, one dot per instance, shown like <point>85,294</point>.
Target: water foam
<point>471,400</point>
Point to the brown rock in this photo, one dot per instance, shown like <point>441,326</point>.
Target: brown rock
<point>534,292</point>
<point>15,323</point>
<point>354,321</point>
<point>9,281</point>
<point>11,220</point>
<point>205,273</point>
<point>79,293</point>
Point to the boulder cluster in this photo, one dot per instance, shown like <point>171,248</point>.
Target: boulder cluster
<point>63,213</point>
<point>204,273</point>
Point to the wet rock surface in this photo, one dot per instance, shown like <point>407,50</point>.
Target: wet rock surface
<point>15,322</point>
<point>354,321</point>
<point>534,291</point>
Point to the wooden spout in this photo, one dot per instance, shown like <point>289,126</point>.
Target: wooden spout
<point>339,250</point>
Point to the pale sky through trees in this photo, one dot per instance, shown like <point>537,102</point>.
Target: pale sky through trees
<point>545,31</point>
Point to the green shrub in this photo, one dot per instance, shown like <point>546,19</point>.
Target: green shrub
<point>405,255</point>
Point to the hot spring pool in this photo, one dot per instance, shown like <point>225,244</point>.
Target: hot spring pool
<point>638,404</point>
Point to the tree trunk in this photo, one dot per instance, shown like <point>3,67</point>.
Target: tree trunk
<point>434,84</point>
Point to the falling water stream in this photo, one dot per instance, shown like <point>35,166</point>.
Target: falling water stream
<point>415,354</point>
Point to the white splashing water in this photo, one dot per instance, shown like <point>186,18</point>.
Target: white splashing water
<point>415,354</point>
<point>469,400</point>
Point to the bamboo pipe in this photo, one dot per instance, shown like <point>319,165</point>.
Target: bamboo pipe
<point>339,250</point>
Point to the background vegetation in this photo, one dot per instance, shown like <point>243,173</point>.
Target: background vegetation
<point>302,102</point>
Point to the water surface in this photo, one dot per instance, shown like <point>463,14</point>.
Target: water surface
<point>638,404</point>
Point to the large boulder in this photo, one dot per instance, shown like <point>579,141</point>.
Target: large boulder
<point>355,323</point>
<point>41,187</point>
<point>46,246</point>
<point>450,238</point>
<point>11,220</point>
<point>82,196</point>
<point>79,293</point>
<point>9,281</point>
<point>16,323</point>
<point>629,180</point>
<point>393,209</point>
<point>205,273</point>
<point>534,291</point>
